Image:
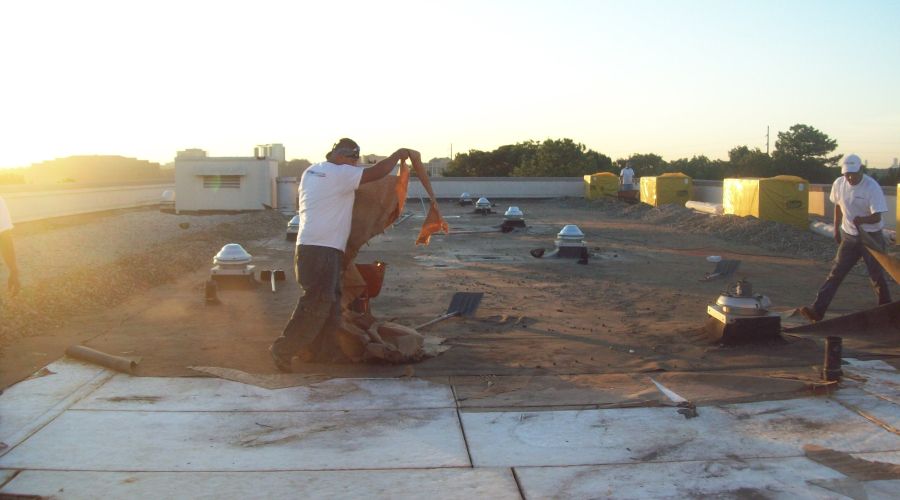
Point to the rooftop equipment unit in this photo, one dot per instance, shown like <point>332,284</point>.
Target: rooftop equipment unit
<point>740,317</point>
<point>232,262</point>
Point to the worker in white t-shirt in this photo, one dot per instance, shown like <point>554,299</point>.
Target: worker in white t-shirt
<point>7,250</point>
<point>327,192</point>
<point>858,205</point>
<point>626,178</point>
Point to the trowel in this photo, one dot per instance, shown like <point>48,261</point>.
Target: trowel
<point>461,304</point>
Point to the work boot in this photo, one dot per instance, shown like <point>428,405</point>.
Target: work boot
<point>810,314</point>
<point>281,363</point>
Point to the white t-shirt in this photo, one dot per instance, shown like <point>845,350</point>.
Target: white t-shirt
<point>863,199</point>
<point>627,175</point>
<point>327,192</point>
<point>5,220</point>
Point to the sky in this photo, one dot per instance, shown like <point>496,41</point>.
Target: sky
<point>680,78</point>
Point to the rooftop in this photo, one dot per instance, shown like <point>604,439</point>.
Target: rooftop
<point>548,391</point>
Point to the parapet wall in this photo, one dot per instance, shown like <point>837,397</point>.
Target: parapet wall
<point>35,205</point>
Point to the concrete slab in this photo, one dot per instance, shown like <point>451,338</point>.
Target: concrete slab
<point>434,484</point>
<point>244,441</point>
<point>31,404</point>
<point>883,383</point>
<point>210,394</point>
<point>5,476</point>
<point>593,437</point>
<point>851,488</point>
<point>870,406</point>
<point>767,478</point>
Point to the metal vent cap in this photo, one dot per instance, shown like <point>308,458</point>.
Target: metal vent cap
<point>483,203</point>
<point>570,232</point>
<point>232,253</point>
<point>513,213</point>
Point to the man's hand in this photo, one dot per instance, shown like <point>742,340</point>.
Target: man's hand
<point>414,155</point>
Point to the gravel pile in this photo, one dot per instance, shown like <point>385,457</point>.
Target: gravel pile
<point>88,263</point>
<point>773,236</point>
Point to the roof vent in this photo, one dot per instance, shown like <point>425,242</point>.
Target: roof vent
<point>513,213</point>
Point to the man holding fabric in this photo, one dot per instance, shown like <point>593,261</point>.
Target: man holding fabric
<point>858,205</point>
<point>327,193</point>
<point>7,250</point>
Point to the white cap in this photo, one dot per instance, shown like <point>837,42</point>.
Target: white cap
<point>852,164</point>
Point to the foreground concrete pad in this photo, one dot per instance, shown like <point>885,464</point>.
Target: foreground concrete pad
<point>884,383</point>
<point>245,441</point>
<point>881,411</point>
<point>554,390</point>
<point>433,484</point>
<point>593,437</point>
<point>767,478</point>
<point>32,403</point>
<point>209,394</point>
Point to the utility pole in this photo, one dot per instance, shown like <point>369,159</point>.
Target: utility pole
<point>451,151</point>
<point>767,140</point>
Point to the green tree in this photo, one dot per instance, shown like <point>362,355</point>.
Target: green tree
<point>700,167</point>
<point>806,152</point>
<point>644,164</point>
<point>746,162</point>
<point>562,158</point>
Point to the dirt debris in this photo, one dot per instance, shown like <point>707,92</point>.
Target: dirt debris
<point>106,260</point>
<point>773,236</point>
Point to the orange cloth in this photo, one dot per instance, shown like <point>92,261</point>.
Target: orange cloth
<point>378,205</point>
<point>433,223</point>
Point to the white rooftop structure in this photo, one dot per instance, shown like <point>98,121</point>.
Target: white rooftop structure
<point>203,182</point>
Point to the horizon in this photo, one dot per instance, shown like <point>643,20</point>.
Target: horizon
<point>146,80</point>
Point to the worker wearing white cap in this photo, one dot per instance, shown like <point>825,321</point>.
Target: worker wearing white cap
<point>7,250</point>
<point>858,205</point>
<point>626,178</point>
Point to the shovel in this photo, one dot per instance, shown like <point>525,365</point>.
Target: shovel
<point>272,276</point>
<point>890,264</point>
<point>462,304</point>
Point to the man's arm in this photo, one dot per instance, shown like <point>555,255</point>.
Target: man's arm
<point>385,166</point>
<point>8,251</point>
<point>868,219</point>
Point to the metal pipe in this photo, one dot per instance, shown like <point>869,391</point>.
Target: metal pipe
<point>831,368</point>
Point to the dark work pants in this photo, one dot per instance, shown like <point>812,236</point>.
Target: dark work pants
<point>849,252</point>
<point>318,311</point>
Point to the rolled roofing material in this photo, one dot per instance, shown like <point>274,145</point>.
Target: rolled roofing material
<point>118,363</point>
<point>708,208</point>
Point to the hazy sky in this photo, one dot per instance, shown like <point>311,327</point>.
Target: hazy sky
<point>678,78</point>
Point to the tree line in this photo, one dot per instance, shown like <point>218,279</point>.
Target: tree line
<point>802,151</point>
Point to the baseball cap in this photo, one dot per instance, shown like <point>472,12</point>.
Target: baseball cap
<point>345,147</point>
<point>852,164</point>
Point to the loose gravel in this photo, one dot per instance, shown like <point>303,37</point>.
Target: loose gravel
<point>75,265</point>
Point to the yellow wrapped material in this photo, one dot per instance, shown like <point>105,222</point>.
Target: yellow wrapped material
<point>600,184</point>
<point>784,198</point>
<point>666,189</point>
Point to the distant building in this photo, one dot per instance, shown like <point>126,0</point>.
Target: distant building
<point>203,182</point>
<point>435,166</point>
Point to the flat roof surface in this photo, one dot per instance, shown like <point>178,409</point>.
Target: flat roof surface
<point>547,391</point>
